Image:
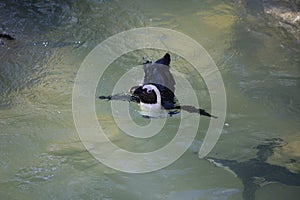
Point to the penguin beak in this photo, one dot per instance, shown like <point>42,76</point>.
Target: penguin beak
<point>132,89</point>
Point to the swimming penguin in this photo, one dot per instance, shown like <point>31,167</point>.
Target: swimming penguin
<point>157,91</point>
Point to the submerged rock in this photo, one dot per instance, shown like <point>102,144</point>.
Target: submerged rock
<point>283,13</point>
<point>287,10</point>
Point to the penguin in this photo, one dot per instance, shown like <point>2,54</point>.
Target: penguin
<point>156,94</point>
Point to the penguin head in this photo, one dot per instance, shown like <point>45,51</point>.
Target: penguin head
<point>147,94</point>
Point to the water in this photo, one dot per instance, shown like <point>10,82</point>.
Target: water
<point>41,155</point>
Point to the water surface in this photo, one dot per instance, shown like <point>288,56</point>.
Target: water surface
<point>41,155</point>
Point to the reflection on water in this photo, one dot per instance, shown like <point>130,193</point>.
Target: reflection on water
<point>41,155</point>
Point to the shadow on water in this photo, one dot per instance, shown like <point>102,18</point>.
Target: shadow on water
<point>256,172</point>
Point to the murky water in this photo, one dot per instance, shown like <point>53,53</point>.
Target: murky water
<point>41,155</point>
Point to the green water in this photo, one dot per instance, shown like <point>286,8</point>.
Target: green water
<point>41,155</point>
